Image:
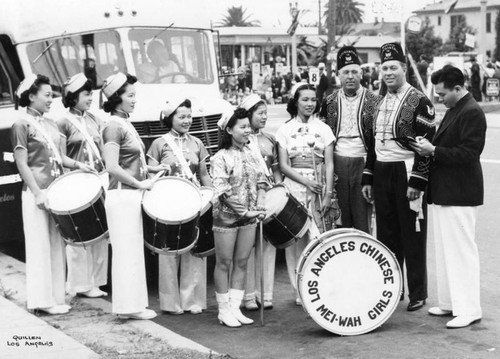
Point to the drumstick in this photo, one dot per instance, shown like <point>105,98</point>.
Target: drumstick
<point>310,143</point>
<point>261,242</point>
<point>157,176</point>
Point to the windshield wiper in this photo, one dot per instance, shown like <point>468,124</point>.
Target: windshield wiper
<point>45,50</point>
<point>161,32</point>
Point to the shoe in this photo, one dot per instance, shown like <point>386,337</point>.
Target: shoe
<point>196,309</point>
<point>225,316</point>
<point>251,304</point>
<point>93,293</point>
<point>268,304</point>
<point>462,321</point>
<point>438,312</point>
<point>298,302</point>
<point>56,309</point>
<point>415,305</point>
<point>175,312</point>
<point>144,315</point>
<point>235,298</point>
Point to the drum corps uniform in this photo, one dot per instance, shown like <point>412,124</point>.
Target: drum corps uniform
<point>45,259</point>
<point>191,293</point>
<point>293,136</point>
<point>351,119</point>
<point>123,212</point>
<point>87,267</point>
<point>264,144</point>
<point>392,167</point>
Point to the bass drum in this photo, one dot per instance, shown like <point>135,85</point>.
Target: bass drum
<point>349,282</point>
<point>205,246</point>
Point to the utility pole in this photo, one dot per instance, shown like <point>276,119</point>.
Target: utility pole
<point>319,17</point>
<point>331,24</point>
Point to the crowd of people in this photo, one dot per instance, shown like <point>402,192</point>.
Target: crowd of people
<point>341,157</point>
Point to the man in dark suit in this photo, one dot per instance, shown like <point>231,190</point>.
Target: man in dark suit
<point>455,191</point>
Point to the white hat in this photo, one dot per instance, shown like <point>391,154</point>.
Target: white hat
<point>250,101</point>
<point>171,105</point>
<point>226,116</point>
<point>321,65</point>
<point>25,85</point>
<point>296,87</point>
<point>113,84</point>
<point>75,83</point>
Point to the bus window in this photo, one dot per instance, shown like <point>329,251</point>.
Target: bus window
<point>98,55</point>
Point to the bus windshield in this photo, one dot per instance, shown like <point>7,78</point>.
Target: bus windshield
<point>171,56</point>
<point>98,55</point>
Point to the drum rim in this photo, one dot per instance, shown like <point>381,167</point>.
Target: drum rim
<point>87,243</point>
<point>176,252</point>
<point>166,221</point>
<point>86,205</point>
<point>390,311</point>
<point>204,254</point>
<point>209,204</point>
<point>268,218</point>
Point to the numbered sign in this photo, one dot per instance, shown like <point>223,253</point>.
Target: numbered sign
<point>492,87</point>
<point>314,76</point>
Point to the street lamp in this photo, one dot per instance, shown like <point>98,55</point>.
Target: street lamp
<point>294,12</point>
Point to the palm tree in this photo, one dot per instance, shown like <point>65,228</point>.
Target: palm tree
<point>348,12</point>
<point>236,16</point>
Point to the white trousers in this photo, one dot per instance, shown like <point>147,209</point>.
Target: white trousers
<point>457,259</point>
<point>252,282</point>
<point>193,282</point>
<point>87,267</point>
<point>45,260</point>
<point>128,271</point>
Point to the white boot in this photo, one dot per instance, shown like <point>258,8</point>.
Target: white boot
<point>235,298</point>
<point>225,315</point>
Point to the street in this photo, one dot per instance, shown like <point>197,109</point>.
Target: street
<point>289,333</point>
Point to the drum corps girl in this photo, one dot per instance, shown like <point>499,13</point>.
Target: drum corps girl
<point>87,266</point>
<point>183,156</point>
<point>299,139</point>
<point>265,145</point>
<point>125,161</point>
<point>239,182</point>
<point>39,155</point>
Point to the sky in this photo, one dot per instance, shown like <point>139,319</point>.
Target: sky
<point>275,13</point>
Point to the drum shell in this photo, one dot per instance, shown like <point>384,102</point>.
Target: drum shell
<point>205,245</point>
<point>284,228</point>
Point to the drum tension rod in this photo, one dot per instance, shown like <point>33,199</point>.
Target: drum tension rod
<point>286,227</point>
<point>76,231</point>
<point>98,220</point>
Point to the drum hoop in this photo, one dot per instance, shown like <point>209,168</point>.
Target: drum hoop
<point>166,221</point>
<point>390,309</point>
<point>81,208</point>
<point>204,254</point>
<point>177,251</point>
<point>287,192</point>
<point>87,243</point>
<point>209,204</point>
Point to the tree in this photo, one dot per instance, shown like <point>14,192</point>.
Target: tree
<point>348,12</point>
<point>496,54</point>
<point>424,43</point>
<point>236,16</point>
<point>456,42</point>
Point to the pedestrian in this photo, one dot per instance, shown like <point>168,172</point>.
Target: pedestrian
<point>322,87</point>
<point>239,183</point>
<point>125,161</point>
<point>183,156</point>
<point>349,112</point>
<point>81,130</point>
<point>38,153</point>
<point>265,145</point>
<point>456,191</point>
<point>299,139</point>
<point>475,80</point>
<point>398,175</point>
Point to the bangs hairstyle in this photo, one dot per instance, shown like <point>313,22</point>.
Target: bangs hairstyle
<point>254,108</point>
<point>292,107</point>
<point>24,98</point>
<point>71,98</point>
<point>450,76</point>
<point>115,99</point>
<point>225,139</point>
<point>167,121</point>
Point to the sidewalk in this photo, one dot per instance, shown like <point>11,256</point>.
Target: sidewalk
<point>24,335</point>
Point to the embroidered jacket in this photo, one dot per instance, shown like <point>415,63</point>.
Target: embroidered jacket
<point>414,117</point>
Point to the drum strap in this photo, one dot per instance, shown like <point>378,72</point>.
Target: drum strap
<point>178,153</point>
<point>38,127</point>
<point>81,127</point>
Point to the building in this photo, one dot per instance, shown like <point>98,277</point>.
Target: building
<point>443,16</point>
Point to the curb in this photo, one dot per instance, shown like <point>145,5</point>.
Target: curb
<point>13,278</point>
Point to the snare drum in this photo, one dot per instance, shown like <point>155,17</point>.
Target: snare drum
<point>171,211</point>
<point>76,202</point>
<point>287,220</point>
<point>205,246</point>
<point>349,282</point>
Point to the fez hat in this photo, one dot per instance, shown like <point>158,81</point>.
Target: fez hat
<point>347,55</point>
<point>392,51</point>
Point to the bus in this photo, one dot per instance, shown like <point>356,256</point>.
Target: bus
<point>60,38</point>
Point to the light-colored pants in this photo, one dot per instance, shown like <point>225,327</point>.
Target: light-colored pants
<point>128,271</point>
<point>457,259</point>
<point>254,270</point>
<point>193,282</point>
<point>87,267</point>
<point>45,259</point>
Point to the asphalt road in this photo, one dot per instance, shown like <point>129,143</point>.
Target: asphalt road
<point>290,333</point>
